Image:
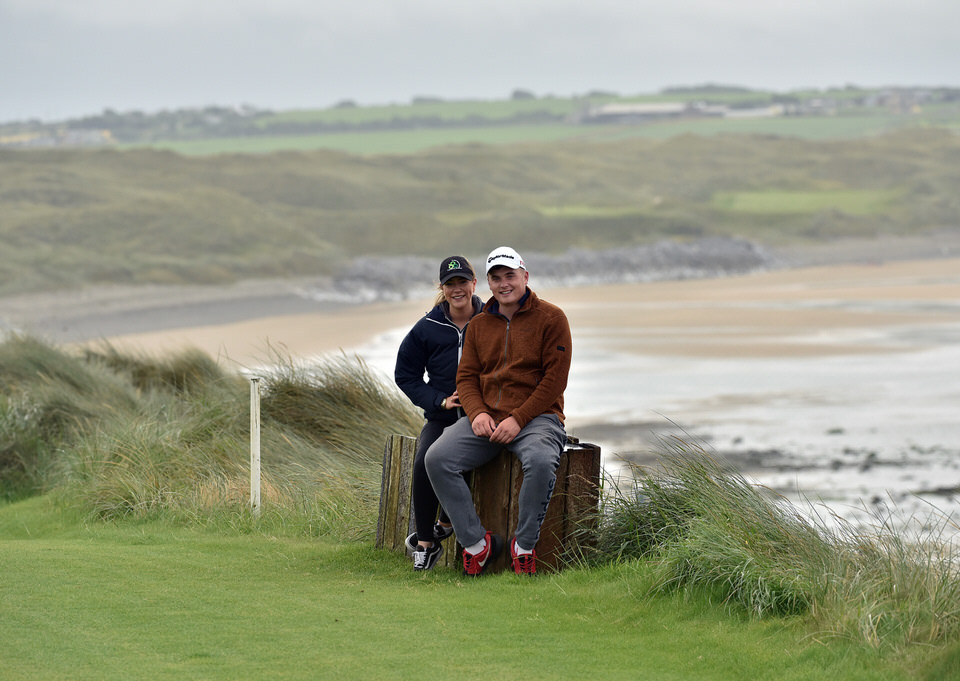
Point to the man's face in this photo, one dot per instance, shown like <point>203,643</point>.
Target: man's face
<point>507,285</point>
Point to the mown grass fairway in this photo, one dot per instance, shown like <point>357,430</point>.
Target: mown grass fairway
<point>863,202</point>
<point>409,141</point>
<point>149,601</point>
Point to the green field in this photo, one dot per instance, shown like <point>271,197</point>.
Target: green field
<point>149,601</point>
<point>419,139</point>
<point>854,202</point>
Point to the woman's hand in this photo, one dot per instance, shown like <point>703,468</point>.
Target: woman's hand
<point>452,402</point>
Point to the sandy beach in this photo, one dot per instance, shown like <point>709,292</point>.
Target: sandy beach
<point>838,382</point>
<point>789,313</point>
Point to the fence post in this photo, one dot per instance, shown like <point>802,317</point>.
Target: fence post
<point>255,445</point>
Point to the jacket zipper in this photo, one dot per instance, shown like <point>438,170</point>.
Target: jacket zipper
<point>503,361</point>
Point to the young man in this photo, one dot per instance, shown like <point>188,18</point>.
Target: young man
<point>511,378</point>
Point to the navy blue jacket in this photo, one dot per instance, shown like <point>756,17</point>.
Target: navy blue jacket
<point>433,348</point>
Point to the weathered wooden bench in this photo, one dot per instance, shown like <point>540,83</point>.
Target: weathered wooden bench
<point>495,487</point>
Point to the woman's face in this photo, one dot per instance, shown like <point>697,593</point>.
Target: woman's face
<point>458,292</point>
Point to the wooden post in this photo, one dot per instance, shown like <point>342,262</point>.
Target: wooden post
<point>495,488</point>
<point>395,520</point>
<point>255,445</point>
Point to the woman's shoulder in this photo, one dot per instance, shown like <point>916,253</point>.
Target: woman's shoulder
<point>430,319</point>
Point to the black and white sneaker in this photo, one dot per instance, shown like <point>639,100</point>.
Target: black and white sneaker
<point>439,534</point>
<point>425,557</point>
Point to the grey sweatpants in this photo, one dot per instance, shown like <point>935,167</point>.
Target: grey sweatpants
<point>537,446</point>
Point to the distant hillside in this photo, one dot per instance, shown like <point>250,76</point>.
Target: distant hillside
<point>76,217</point>
<point>888,108</point>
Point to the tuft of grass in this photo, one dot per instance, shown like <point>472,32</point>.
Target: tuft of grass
<point>186,371</point>
<point>890,584</point>
<point>705,527</point>
<point>339,401</point>
<point>47,400</point>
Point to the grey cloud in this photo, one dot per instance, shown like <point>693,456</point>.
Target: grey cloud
<point>60,58</point>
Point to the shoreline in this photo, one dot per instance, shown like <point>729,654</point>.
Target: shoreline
<point>110,311</point>
<point>797,312</point>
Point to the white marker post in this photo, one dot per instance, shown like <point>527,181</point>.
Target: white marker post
<point>255,445</point>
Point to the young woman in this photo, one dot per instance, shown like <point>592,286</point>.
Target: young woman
<point>433,347</point>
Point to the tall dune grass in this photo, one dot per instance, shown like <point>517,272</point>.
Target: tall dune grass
<point>340,402</point>
<point>706,527</point>
<point>125,437</point>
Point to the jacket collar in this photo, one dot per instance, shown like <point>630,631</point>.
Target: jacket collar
<point>528,300</point>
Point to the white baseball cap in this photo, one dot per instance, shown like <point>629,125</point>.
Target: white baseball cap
<point>506,257</point>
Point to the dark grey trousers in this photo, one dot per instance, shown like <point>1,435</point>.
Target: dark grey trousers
<point>537,446</point>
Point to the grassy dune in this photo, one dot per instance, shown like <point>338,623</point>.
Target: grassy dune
<point>123,437</point>
<point>126,542</point>
<point>74,218</point>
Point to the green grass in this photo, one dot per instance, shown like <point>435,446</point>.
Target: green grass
<point>150,601</point>
<point>373,142</point>
<point>770,202</point>
<point>420,139</point>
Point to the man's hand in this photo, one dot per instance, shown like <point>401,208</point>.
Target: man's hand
<point>483,425</point>
<point>506,431</point>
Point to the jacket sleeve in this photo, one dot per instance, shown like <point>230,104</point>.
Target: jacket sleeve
<point>556,353</point>
<point>468,376</point>
<point>410,369</point>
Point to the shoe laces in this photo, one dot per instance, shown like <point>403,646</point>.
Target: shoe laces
<point>420,557</point>
<point>472,562</point>
<point>525,564</point>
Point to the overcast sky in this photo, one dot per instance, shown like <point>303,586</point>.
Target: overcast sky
<point>69,58</point>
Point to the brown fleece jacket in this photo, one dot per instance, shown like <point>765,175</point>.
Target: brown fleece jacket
<point>515,367</point>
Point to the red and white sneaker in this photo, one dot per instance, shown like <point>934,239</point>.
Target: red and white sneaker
<point>525,563</point>
<point>474,565</point>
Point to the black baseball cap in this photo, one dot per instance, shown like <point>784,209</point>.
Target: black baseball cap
<point>455,266</point>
